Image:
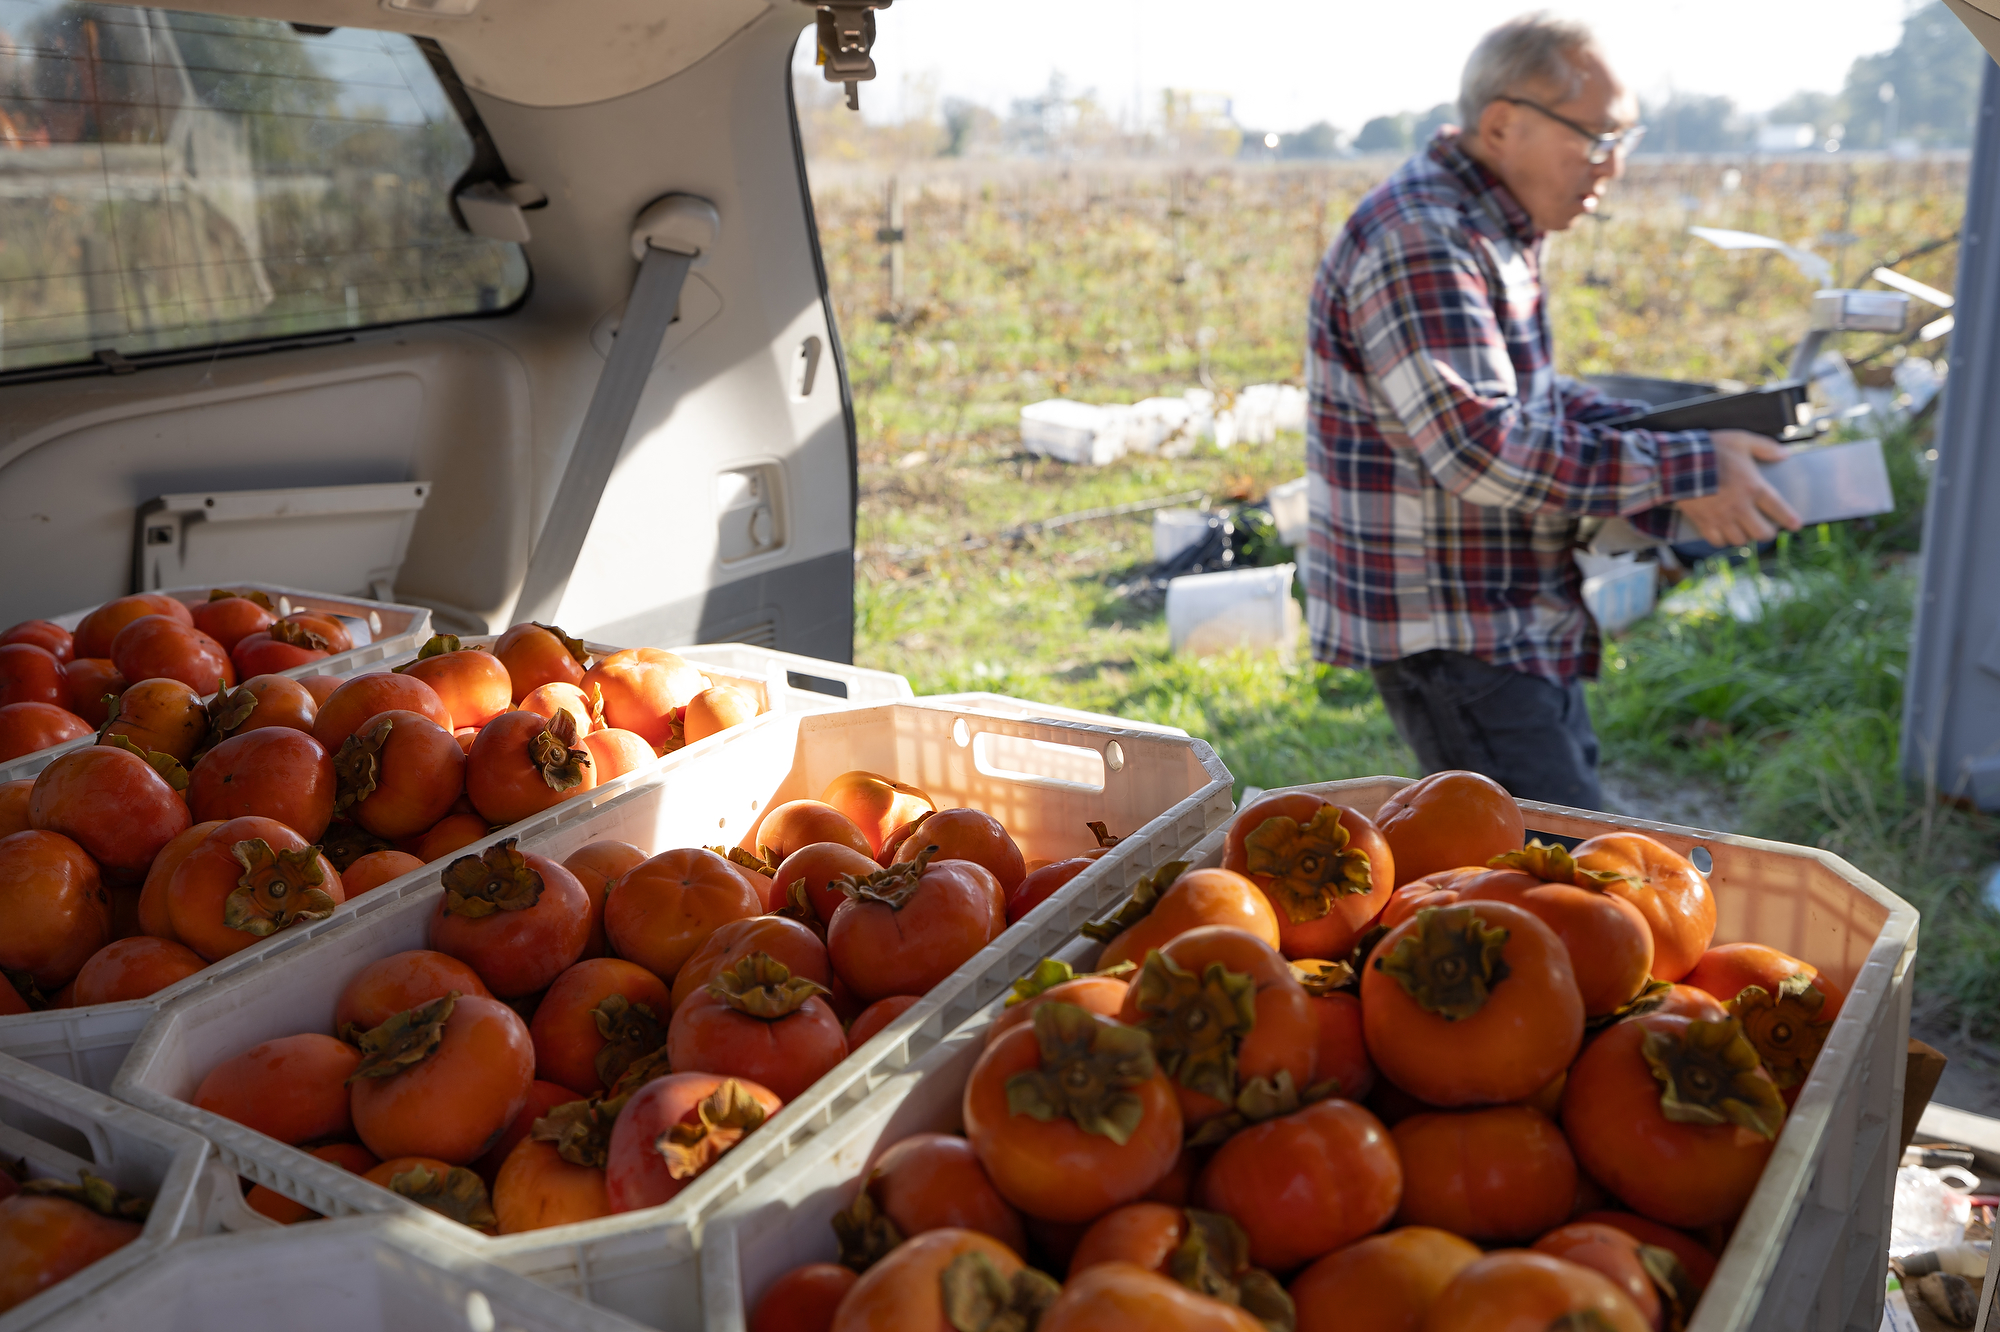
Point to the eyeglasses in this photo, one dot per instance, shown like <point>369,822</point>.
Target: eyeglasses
<point>1602,146</point>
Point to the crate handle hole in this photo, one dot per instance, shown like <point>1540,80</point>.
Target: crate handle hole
<point>1043,763</point>
<point>1702,860</point>
<point>961,734</point>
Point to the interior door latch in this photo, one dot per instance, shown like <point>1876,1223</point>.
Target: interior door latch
<point>846,40</point>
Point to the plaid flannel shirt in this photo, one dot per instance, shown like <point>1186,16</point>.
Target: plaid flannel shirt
<point>1450,465</point>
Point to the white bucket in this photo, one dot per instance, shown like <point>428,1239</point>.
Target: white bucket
<point>1289,511</point>
<point>1240,608</point>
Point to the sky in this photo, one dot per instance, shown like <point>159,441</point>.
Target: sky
<point>1288,63</point>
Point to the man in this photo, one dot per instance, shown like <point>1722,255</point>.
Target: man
<point>1451,465</point>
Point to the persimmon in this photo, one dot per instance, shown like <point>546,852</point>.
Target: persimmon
<point>93,683</point>
<point>1340,1047</point>
<point>759,873</point>
<point>324,625</point>
<point>471,683</point>
<point>1039,885</point>
<point>1124,1297</point>
<point>443,1079</point>
<point>30,674</point>
<point>665,908</point>
<point>49,1232</point>
<point>278,700</point>
<point>111,803</point>
<point>1609,943</point>
<point>910,1289</point>
<point>1523,1291</point>
<point>675,1127</point>
<point>1164,905</point>
<point>1669,891</point>
<point>1326,869</point>
<point>267,1201</point>
<point>1652,1278</point>
<point>444,1187</point>
<point>321,688</point>
<point>1674,1116</point>
<point>803,1299</point>
<point>521,764</point>
<point>904,930</point>
<point>293,1088</point>
<point>715,710</point>
<point>134,968</point>
<point>248,879</point>
<point>1304,1184</point>
<point>1231,1028</point>
<point>1205,1252</point>
<point>1472,1004</point>
<point>537,1188</point>
<point>453,832</point>
<point>540,654</point>
<point>1056,982</point>
<point>96,630</point>
<point>597,866</point>
<point>968,834</point>
<point>28,727</point>
<point>342,712</point>
<point>397,983</point>
<point>14,806</point>
<point>813,870</point>
<point>1697,1262</point>
<point>375,869</point>
<point>596,1019</point>
<point>229,617</point>
<point>161,645</point>
<point>875,804</point>
<point>1787,1007</point>
<point>791,943</point>
<point>54,911</point>
<point>550,699</point>
<point>873,1019</point>
<point>274,773</point>
<point>925,1182</point>
<point>1682,1000</point>
<point>50,637</point>
<point>1071,1115</point>
<point>613,753</point>
<point>1496,1175</point>
<point>1436,889</point>
<point>518,919</point>
<point>799,823</point>
<point>155,918</point>
<point>1385,1283</point>
<point>755,1020</point>
<point>1447,820</point>
<point>282,645</point>
<point>543,1099</point>
<point>641,690</point>
<point>398,774</point>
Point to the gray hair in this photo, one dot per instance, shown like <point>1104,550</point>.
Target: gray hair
<point>1534,48</point>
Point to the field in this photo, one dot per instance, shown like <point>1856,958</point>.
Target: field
<point>1114,282</point>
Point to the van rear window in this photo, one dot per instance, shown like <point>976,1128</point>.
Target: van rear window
<point>172,180</point>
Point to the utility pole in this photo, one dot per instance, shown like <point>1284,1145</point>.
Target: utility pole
<point>891,234</point>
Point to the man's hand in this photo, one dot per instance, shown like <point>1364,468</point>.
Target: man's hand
<point>1744,505</point>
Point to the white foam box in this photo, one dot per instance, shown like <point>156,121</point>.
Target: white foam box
<point>1075,432</point>
<point>1045,780</point>
<point>1810,1251</point>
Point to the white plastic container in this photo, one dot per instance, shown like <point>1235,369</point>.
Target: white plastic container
<point>57,1129</point>
<point>1043,779</point>
<point>1289,511</point>
<point>808,680</point>
<point>1075,432</point>
<point>1178,530</point>
<point>1811,1248</point>
<point>1250,609</point>
<point>1619,591</point>
<point>1003,706</point>
<point>372,1274</point>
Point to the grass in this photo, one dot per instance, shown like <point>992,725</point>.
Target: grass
<point>1112,284</point>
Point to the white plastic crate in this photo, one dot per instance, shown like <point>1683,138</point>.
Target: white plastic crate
<point>808,679</point>
<point>381,630</point>
<point>1619,590</point>
<point>57,1128</point>
<point>372,1274</point>
<point>1004,706</point>
<point>1811,1248</point>
<point>1043,779</point>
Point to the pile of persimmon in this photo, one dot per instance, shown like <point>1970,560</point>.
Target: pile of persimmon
<point>50,1229</point>
<point>195,827</point>
<point>587,1037</point>
<point>1407,1072</point>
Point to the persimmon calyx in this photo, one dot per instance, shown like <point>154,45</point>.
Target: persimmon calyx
<point>1259,1100</point>
<point>554,752</point>
<point>580,1130</point>
<point>345,842</point>
<point>1196,1020</point>
<point>629,1031</point>
<point>227,712</point>
<point>798,906</point>
<point>169,767</point>
<point>276,890</point>
<point>1786,1027</point>
<point>1213,1259</point>
<point>404,1041</point>
<point>1554,864</point>
<point>1145,896</point>
<point>1089,1071</point>
<point>457,1193</point>
<point>1049,973</point>
<point>749,860</point>
<point>1710,1075</point>
<point>1102,832</point>
<point>24,985</point>
<point>1307,867</point>
<point>761,986</point>
<point>357,768</point>
<point>574,646</point>
<point>437,645</point>
<point>496,879</point>
<point>1651,995</point>
<point>1678,1293</point>
<point>1319,978</point>
<point>1449,964</point>
<point>977,1298</point>
<point>100,1195</point>
<point>293,634</point>
<point>249,594</point>
<point>721,1119</point>
<point>892,887</point>
<point>864,1231</point>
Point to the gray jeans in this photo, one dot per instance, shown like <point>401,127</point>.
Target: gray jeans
<point>1531,736</point>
